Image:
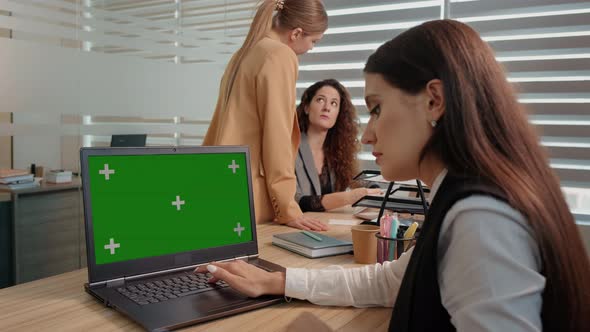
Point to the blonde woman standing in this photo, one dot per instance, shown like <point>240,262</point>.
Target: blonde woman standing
<point>256,105</point>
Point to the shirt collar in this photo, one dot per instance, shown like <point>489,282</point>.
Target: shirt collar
<point>436,184</point>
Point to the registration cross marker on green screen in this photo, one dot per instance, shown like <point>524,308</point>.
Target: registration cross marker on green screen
<point>152,205</point>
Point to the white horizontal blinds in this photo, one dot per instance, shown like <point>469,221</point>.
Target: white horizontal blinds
<point>543,44</point>
<point>545,48</point>
<point>164,30</point>
<point>200,27</point>
<point>76,72</point>
<point>356,29</point>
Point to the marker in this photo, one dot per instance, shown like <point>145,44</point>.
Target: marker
<point>311,235</point>
<point>393,235</point>
<point>409,234</point>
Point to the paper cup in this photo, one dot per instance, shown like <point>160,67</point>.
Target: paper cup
<point>364,243</point>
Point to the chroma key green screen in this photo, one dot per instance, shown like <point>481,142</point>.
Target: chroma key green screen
<point>153,205</point>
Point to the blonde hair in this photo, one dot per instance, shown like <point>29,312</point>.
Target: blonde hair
<point>309,15</point>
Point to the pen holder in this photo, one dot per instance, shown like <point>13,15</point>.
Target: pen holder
<point>389,249</point>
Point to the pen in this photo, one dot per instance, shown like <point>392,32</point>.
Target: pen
<point>311,235</point>
<point>409,234</point>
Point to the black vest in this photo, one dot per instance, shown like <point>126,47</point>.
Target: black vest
<point>419,306</point>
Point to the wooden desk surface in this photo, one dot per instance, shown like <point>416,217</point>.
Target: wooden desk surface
<point>60,303</point>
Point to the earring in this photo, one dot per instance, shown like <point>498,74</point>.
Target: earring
<point>433,123</point>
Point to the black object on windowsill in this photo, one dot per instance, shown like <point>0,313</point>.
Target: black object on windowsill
<point>128,140</point>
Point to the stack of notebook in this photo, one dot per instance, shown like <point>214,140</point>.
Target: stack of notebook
<point>311,244</point>
<point>12,179</point>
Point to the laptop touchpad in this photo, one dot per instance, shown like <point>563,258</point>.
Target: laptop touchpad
<point>217,300</point>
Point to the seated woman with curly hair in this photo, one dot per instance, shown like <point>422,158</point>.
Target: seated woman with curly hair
<point>326,161</point>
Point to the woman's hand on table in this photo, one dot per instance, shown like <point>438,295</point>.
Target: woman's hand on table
<point>358,193</point>
<point>308,223</point>
<point>246,278</point>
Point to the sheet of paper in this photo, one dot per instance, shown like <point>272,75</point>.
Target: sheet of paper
<point>348,222</point>
<point>376,178</point>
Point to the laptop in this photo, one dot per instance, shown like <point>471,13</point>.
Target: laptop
<point>152,215</point>
<point>128,140</point>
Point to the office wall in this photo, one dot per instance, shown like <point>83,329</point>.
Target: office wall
<point>79,84</point>
<point>4,33</point>
<point>85,70</point>
<point>5,143</point>
<point>83,73</point>
<point>5,146</point>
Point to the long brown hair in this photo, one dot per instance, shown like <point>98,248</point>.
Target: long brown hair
<point>341,144</point>
<point>309,15</point>
<point>484,133</point>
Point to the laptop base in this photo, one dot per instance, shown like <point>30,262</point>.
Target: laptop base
<point>185,311</point>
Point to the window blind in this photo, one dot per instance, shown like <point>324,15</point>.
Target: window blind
<point>544,46</point>
<point>356,29</point>
<point>77,71</point>
<point>123,66</point>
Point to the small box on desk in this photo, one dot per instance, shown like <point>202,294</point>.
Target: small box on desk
<point>58,176</point>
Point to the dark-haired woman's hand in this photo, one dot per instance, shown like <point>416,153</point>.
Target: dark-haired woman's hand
<point>358,193</point>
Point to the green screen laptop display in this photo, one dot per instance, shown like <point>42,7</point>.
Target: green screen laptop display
<point>152,205</point>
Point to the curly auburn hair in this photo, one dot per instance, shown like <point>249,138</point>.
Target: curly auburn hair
<point>341,144</point>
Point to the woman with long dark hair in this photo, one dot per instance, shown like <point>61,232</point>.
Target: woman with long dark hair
<point>499,249</point>
<point>326,160</point>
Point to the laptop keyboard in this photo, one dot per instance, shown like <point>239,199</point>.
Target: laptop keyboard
<point>160,290</point>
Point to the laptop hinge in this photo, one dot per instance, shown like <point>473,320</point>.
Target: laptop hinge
<point>121,281</point>
<point>116,282</point>
<point>239,258</point>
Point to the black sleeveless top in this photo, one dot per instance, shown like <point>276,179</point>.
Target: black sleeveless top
<point>418,306</point>
<point>313,202</point>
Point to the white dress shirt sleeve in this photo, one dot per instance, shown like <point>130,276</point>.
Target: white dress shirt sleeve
<point>488,268</point>
<point>367,286</point>
<point>488,272</point>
